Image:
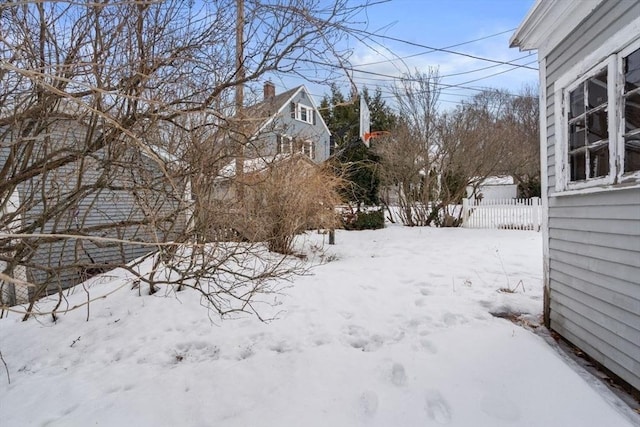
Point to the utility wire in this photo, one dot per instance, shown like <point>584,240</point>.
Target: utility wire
<point>446,50</point>
<point>446,47</point>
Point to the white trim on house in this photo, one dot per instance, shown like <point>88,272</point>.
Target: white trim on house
<point>609,55</point>
<point>309,112</point>
<point>549,22</point>
<point>544,184</point>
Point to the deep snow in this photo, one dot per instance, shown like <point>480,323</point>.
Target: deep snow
<point>395,330</point>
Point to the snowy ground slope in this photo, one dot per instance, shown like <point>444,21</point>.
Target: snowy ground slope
<point>395,331</point>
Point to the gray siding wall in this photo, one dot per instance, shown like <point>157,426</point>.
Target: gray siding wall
<point>297,128</point>
<point>594,238</point>
<point>135,187</point>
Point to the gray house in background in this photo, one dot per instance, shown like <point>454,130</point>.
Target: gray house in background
<point>589,57</point>
<point>118,192</point>
<point>281,126</point>
<point>288,123</point>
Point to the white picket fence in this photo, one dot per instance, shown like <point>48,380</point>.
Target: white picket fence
<point>511,214</point>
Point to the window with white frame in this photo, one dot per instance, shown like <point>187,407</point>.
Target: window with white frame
<point>588,151</point>
<point>303,113</point>
<point>601,124</point>
<point>308,149</point>
<point>284,144</point>
<point>631,117</point>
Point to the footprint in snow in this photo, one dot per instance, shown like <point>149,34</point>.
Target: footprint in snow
<point>280,347</point>
<point>500,407</point>
<point>429,346</point>
<point>368,403</point>
<point>438,408</point>
<point>398,375</point>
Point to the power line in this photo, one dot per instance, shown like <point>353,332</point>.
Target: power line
<point>446,50</point>
<point>446,47</point>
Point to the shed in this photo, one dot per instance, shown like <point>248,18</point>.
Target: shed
<point>494,187</point>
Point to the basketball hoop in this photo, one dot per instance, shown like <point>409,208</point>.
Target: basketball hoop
<point>365,121</point>
<point>375,134</point>
<point>365,124</point>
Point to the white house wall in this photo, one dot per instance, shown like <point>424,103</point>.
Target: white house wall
<point>594,235</point>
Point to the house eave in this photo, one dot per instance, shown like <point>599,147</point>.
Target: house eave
<point>549,22</point>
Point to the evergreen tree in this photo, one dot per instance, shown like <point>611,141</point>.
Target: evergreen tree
<point>359,163</point>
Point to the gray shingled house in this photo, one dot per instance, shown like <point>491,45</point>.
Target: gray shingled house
<point>54,181</point>
<point>289,123</point>
<point>280,126</point>
<point>589,60</point>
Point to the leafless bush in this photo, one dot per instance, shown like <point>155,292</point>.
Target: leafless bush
<point>432,157</point>
<point>114,121</point>
<point>292,196</point>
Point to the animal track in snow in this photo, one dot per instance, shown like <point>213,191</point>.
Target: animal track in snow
<point>437,408</point>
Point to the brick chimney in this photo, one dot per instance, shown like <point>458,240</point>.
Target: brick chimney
<point>269,90</point>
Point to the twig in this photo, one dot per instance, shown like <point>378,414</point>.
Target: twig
<point>503,269</point>
<point>5,367</point>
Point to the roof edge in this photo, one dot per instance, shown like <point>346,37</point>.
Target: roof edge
<point>549,22</point>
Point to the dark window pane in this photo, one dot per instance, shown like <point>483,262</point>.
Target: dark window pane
<point>632,153</point>
<point>632,71</point>
<point>577,166</point>
<point>576,102</point>
<point>599,161</point>
<point>303,114</point>
<point>597,129</point>
<point>597,87</point>
<point>632,112</point>
<point>576,135</point>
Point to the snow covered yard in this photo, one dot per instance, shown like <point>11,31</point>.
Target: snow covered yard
<point>395,330</point>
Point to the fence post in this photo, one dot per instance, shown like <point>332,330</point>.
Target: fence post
<point>535,202</point>
<point>465,212</point>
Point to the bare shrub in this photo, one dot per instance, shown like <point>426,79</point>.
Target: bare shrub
<point>113,122</point>
<point>291,196</point>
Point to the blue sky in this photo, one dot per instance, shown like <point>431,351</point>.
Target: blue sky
<point>440,23</point>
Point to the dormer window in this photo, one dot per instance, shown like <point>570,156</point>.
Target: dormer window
<point>303,113</point>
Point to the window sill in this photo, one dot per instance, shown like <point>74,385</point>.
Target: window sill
<point>598,189</point>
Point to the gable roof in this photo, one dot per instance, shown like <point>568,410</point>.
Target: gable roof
<point>266,111</point>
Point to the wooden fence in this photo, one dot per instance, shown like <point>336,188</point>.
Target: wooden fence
<point>511,214</point>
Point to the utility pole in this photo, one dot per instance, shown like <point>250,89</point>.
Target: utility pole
<point>239,101</point>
